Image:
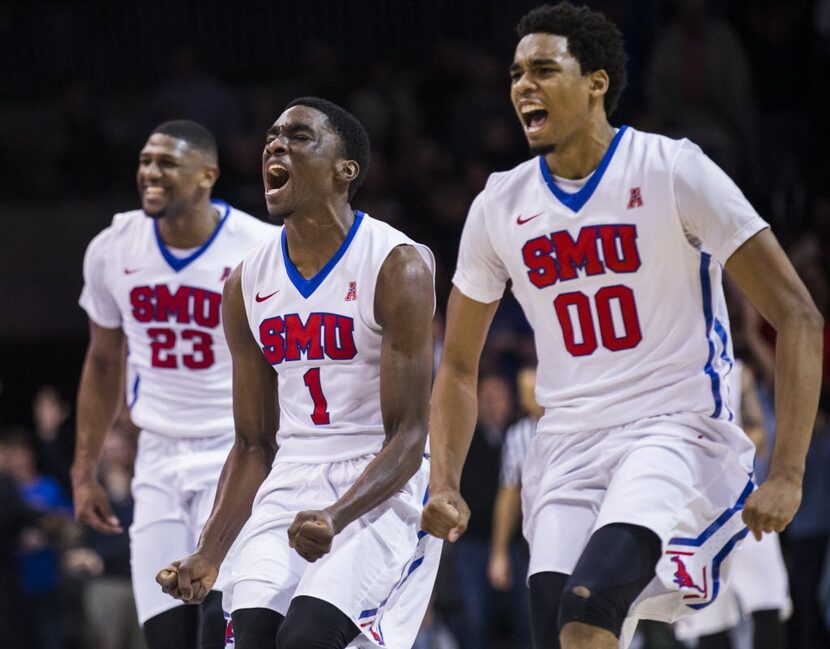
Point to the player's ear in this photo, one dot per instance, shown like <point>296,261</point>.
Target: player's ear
<point>599,83</point>
<point>347,170</point>
<point>210,175</point>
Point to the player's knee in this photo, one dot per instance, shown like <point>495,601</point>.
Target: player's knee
<point>615,567</point>
<point>254,628</point>
<point>595,608</point>
<point>312,623</point>
<point>308,635</point>
<point>174,628</point>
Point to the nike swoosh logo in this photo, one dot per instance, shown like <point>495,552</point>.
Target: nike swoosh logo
<point>262,298</point>
<point>130,271</point>
<point>522,221</point>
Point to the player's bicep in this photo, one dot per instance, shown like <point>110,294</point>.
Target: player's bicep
<point>468,322</point>
<point>106,345</point>
<point>404,306</point>
<point>255,408</point>
<point>762,271</point>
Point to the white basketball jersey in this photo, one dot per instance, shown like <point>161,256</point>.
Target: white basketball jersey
<point>620,280</point>
<point>321,337</point>
<point>169,307</point>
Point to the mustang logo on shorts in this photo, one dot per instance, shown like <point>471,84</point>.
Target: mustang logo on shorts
<point>683,579</point>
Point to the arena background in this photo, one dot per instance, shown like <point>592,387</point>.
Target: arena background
<point>82,83</point>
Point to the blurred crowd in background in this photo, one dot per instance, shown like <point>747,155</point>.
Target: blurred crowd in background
<point>744,80</point>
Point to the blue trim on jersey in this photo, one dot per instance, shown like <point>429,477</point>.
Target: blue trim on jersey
<point>307,286</point>
<point>575,201</point>
<point>717,560</point>
<point>135,391</point>
<point>706,287</point>
<point>724,355</point>
<point>178,263</point>
<point>719,522</point>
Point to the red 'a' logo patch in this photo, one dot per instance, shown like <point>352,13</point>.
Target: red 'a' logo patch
<point>225,274</point>
<point>352,292</point>
<point>636,198</point>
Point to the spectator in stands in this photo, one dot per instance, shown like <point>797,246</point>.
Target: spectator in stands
<point>38,558</point>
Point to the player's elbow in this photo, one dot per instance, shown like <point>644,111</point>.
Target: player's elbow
<point>410,449</point>
<point>807,318</point>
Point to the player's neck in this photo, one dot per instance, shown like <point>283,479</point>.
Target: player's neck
<point>579,155</point>
<point>190,228</point>
<point>314,238</point>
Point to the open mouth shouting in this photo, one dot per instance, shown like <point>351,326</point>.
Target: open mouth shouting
<point>276,179</point>
<point>534,116</point>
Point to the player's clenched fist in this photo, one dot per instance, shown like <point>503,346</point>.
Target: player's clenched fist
<point>311,534</point>
<point>445,515</point>
<point>772,506</point>
<point>190,579</point>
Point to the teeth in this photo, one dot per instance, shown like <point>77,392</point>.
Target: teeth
<point>529,108</point>
<point>277,170</point>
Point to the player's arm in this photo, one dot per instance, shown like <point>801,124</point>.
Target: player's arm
<point>404,304</point>
<point>507,512</point>
<point>752,416</point>
<point>100,394</point>
<point>255,413</point>
<point>453,413</point>
<point>762,271</point>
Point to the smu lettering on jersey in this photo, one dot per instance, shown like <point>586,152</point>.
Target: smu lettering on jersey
<point>321,337</point>
<point>170,310</point>
<point>620,280</point>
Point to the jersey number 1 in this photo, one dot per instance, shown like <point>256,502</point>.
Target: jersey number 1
<point>568,303</point>
<point>320,416</point>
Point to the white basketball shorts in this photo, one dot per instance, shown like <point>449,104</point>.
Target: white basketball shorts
<point>174,487</point>
<point>381,568</point>
<point>683,476</point>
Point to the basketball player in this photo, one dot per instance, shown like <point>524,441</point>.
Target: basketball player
<point>614,240</point>
<point>335,317</point>
<point>153,284</point>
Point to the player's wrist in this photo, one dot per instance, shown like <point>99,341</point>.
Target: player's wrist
<point>339,520</point>
<point>214,556</point>
<point>444,486</point>
<point>792,475</point>
<point>83,471</point>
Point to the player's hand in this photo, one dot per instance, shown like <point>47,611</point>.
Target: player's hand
<point>771,507</point>
<point>311,534</point>
<point>92,506</point>
<point>445,515</point>
<point>499,571</point>
<point>190,579</point>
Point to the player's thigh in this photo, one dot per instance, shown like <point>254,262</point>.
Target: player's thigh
<point>381,569</point>
<point>264,571</point>
<point>564,483</point>
<point>675,474</point>
<point>152,547</point>
<point>160,532</point>
<point>199,476</point>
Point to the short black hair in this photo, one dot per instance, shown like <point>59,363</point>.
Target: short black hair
<point>593,40</point>
<point>350,131</point>
<point>196,135</point>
